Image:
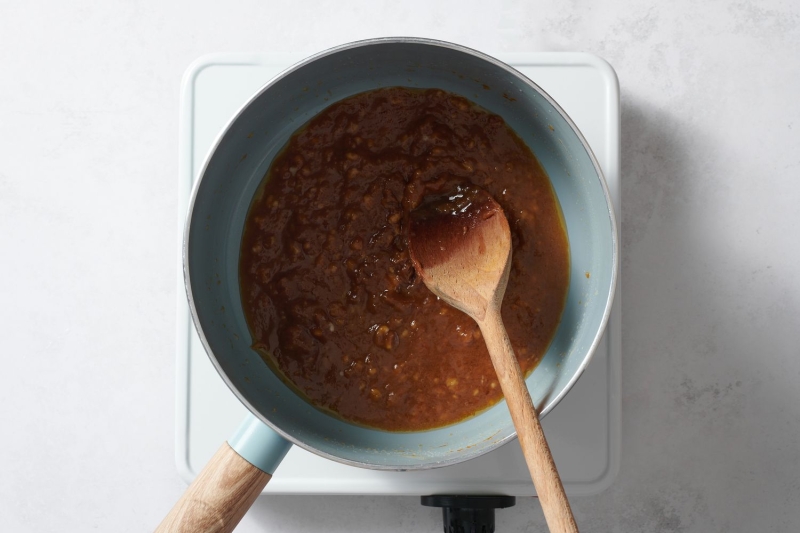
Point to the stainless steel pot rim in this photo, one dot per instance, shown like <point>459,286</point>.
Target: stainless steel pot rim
<point>399,40</point>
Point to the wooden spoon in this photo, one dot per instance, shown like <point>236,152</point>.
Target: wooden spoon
<point>460,245</point>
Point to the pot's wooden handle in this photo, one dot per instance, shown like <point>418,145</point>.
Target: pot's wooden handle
<point>219,496</point>
<point>534,446</point>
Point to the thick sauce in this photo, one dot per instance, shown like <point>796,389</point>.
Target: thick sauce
<point>329,290</point>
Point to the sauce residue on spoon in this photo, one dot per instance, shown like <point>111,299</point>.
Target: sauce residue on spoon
<point>439,218</point>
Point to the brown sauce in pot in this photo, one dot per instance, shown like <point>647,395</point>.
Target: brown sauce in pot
<point>329,291</point>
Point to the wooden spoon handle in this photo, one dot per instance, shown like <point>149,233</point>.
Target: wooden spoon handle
<point>543,471</point>
<point>219,496</point>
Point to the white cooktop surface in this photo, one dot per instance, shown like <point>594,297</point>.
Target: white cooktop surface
<point>583,430</point>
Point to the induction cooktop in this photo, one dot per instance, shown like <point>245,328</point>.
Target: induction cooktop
<point>583,430</point>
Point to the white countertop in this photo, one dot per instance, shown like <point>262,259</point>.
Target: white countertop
<point>710,248</point>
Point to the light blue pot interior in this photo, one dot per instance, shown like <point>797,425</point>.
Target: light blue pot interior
<point>242,157</point>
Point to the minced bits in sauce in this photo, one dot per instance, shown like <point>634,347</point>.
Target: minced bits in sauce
<point>329,291</point>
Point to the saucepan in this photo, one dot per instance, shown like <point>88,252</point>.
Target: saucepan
<point>232,172</point>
